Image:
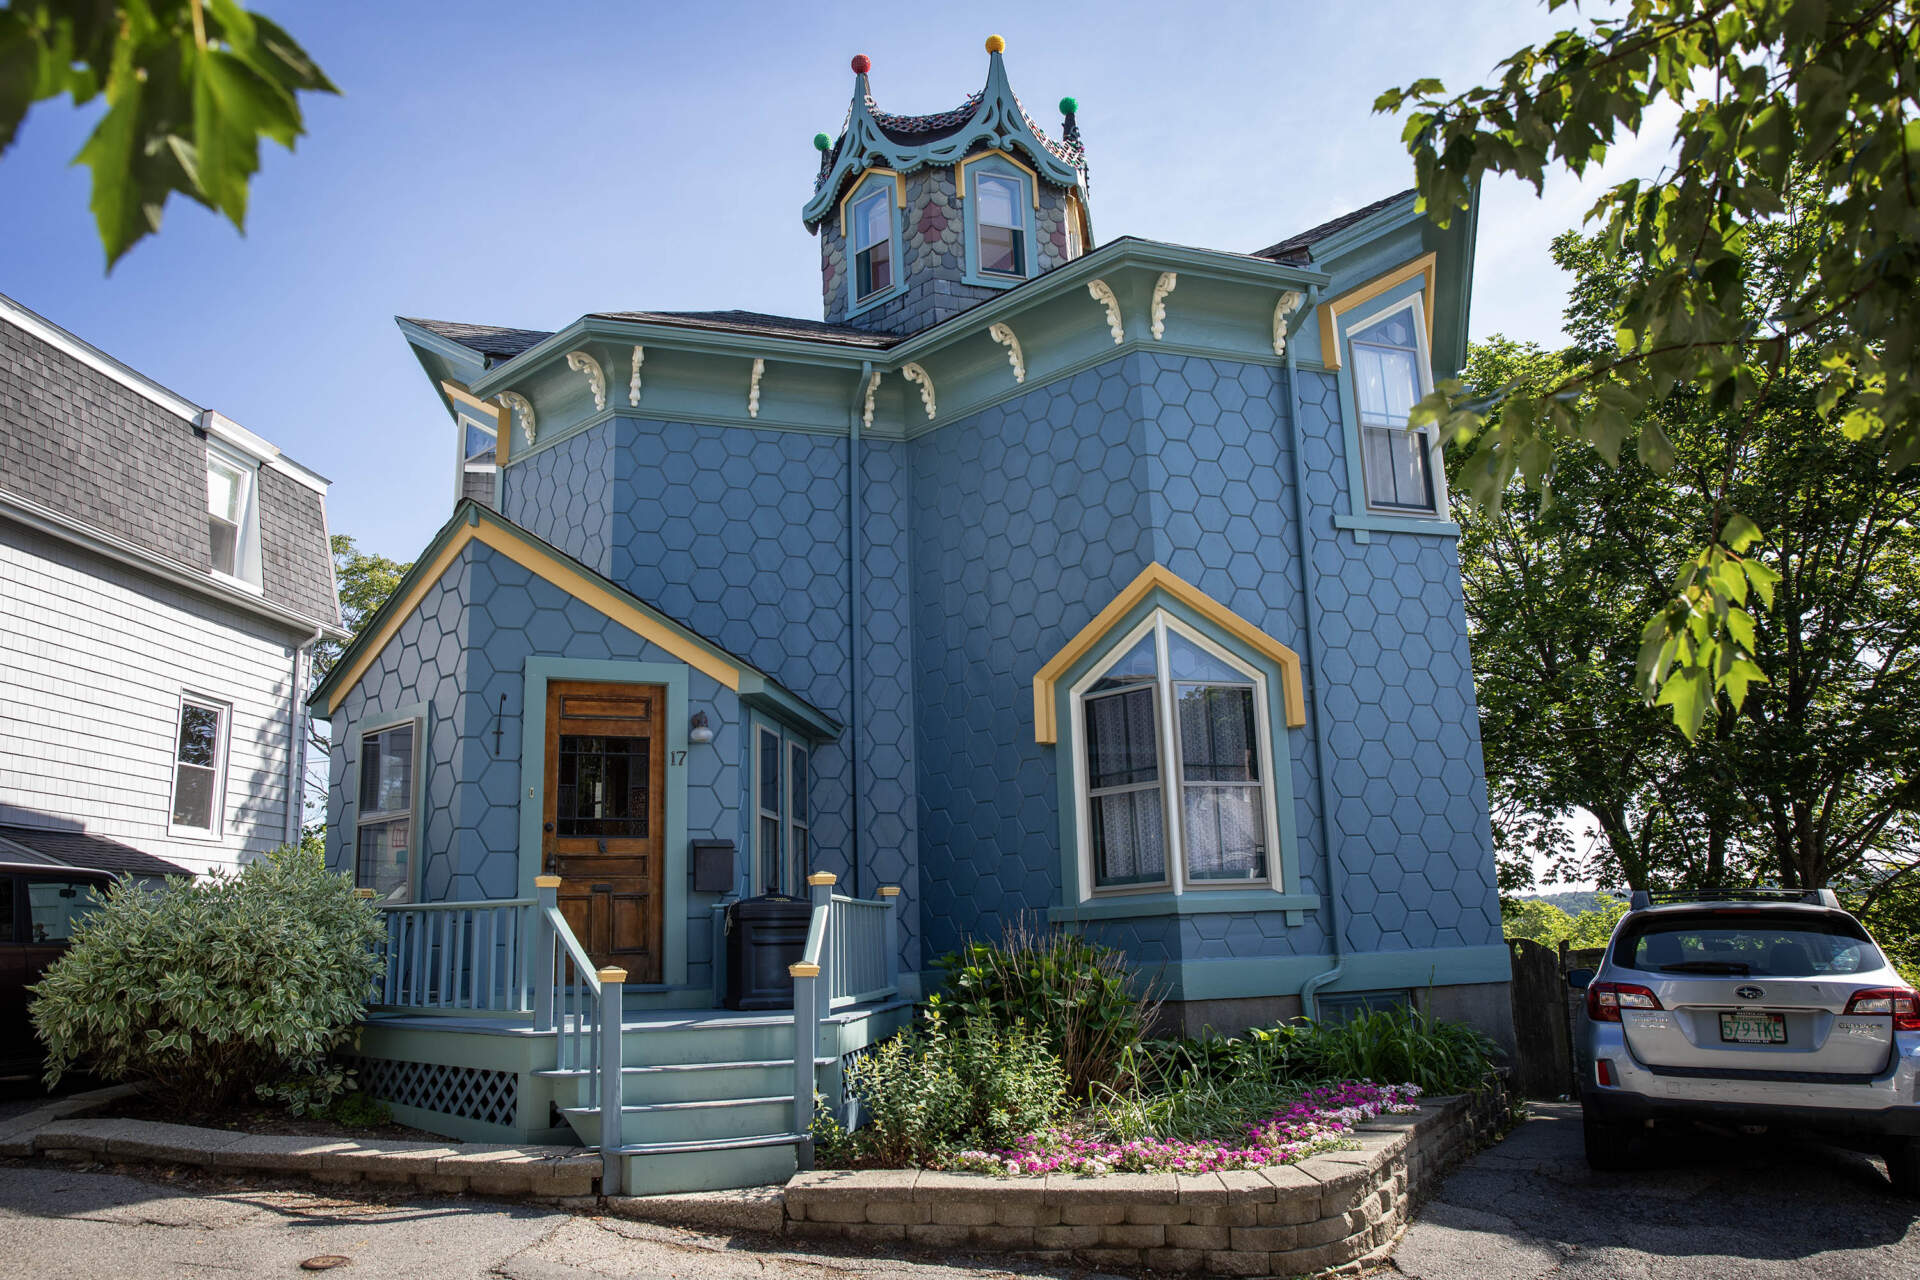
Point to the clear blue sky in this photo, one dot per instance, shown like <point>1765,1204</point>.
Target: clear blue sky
<point>522,164</point>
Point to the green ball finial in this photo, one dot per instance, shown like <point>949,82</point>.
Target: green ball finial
<point>821,142</point>
<point>1068,106</point>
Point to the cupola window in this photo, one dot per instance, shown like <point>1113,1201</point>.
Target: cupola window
<point>1002,226</point>
<point>872,245</point>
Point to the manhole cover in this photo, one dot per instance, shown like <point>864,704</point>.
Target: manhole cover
<point>326,1262</point>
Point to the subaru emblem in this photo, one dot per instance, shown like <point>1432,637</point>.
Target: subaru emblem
<point>1748,993</point>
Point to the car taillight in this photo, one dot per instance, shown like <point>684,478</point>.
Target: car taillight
<point>1605,1000</point>
<point>1903,1004</point>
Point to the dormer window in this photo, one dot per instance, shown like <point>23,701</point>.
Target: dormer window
<point>1002,226</point>
<point>233,535</point>
<point>872,245</point>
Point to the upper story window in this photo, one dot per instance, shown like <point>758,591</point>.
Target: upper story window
<point>1388,353</point>
<point>782,834</point>
<point>479,443</point>
<point>233,534</point>
<point>199,768</point>
<point>872,244</point>
<point>384,825</point>
<point>1174,746</point>
<point>1001,225</point>
<point>1076,237</point>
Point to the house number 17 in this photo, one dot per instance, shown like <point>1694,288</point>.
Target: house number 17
<point>679,757</point>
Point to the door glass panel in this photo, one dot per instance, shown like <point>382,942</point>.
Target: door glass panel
<point>769,854</point>
<point>602,788</point>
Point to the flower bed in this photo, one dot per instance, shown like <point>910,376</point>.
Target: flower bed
<point>1320,1120</point>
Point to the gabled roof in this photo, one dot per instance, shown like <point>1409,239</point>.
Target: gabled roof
<point>489,340</point>
<point>992,117</point>
<point>1298,249</point>
<point>85,850</point>
<point>471,523</point>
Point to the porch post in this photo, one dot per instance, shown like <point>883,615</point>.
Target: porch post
<point>806,1047</point>
<point>546,890</point>
<point>612,1091</point>
<point>890,894</point>
<point>822,883</point>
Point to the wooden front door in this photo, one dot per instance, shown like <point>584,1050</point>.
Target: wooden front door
<point>604,829</point>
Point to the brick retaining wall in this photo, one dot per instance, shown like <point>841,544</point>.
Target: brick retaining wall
<point>1329,1211</point>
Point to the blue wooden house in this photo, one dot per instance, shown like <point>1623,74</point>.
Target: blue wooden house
<point>1092,582</point>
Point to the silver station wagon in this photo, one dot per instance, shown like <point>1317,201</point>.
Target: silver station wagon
<point>1753,1009</point>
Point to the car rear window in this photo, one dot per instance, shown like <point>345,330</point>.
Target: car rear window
<point>1746,943</point>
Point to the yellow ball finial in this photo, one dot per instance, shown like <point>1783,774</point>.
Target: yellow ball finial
<point>996,45</point>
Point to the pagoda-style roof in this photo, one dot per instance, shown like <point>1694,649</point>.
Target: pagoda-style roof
<point>992,117</point>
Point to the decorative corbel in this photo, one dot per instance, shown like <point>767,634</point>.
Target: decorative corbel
<point>914,373</point>
<point>521,408</point>
<point>873,385</point>
<point>581,362</point>
<point>753,389</point>
<point>1283,313</point>
<point>1103,294</point>
<point>1002,333</point>
<point>1161,288</point>
<point>633,383</point>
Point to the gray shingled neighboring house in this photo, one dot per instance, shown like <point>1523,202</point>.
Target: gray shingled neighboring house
<point>164,576</point>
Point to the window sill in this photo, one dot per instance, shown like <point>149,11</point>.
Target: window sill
<point>198,834</point>
<point>1432,526</point>
<point>242,584</point>
<point>993,281</point>
<point>878,299</point>
<point>1195,902</point>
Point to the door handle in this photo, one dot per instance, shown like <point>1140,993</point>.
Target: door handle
<point>603,846</point>
<point>549,828</point>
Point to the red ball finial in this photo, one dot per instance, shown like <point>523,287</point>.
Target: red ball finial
<point>861,64</point>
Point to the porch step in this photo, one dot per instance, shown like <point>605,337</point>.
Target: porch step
<point>666,1168</point>
<point>712,1120</point>
<point>693,1081</point>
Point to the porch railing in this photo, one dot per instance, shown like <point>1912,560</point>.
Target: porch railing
<point>456,955</point>
<point>864,953</point>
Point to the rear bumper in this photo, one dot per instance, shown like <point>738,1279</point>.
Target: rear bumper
<point>1849,1122</point>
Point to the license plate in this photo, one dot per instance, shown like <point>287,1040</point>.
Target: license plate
<point>1753,1028</point>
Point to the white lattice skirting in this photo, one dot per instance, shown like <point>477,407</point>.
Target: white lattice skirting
<point>492,1097</point>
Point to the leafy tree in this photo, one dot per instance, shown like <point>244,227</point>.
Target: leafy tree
<point>1815,778</point>
<point>1531,918</point>
<point>191,86</point>
<point>1791,112</point>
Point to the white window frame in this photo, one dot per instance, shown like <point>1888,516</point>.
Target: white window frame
<point>417,852</point>
<point>463,466</point>
<point>1172,783</point>
<point>782,817</point>
<point>1423,372</point>
<point>247,542</point>
<point>222,741</point>
<point>1022,234</point>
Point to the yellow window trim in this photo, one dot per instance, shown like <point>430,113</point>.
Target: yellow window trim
<point>549,569</point>
<point>960,173</point>
<point>1157,577</point>
<point>899,191</point>
<point>1329,313</point>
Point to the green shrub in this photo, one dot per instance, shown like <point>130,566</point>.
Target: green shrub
<point>1078,993</point>
<point>208,988</point>
<point>942,1086</point>
<point>1211,1086</point>
<point>355,1110</point>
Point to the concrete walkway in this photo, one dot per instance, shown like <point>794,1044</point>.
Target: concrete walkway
<point>1702,1209</point>
<point>66,1224</point>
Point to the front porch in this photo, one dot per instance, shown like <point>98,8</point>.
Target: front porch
<point>490,1023</point>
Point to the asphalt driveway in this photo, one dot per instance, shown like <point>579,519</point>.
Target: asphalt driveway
<point>1703,1208</point>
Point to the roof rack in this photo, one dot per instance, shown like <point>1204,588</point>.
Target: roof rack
<point>1644,898</point>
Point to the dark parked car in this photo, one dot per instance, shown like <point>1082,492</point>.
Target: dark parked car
<point>39,906</point>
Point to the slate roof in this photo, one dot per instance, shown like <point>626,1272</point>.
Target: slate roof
<point>494,341</point>
<point>106,456</point>
<point>94,853</point>
<point>1298,249</point>
<point>488,339</point>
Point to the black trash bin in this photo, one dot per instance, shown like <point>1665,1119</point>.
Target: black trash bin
<point>764,936</point>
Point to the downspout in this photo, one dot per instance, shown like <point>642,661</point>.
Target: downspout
<point>854,422</point>
<point>1309,990</point>
<point>296,741</point>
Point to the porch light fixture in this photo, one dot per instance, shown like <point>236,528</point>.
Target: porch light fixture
<point>699,732</point>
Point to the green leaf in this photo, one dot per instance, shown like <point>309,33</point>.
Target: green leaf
<point>1687,691</point>
<point>120,210</point>
<point>232,107</point>
<point>1761,578</point>
<point>1739,533</point>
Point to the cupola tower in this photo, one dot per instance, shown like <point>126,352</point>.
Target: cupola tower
<point>921,217</point>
